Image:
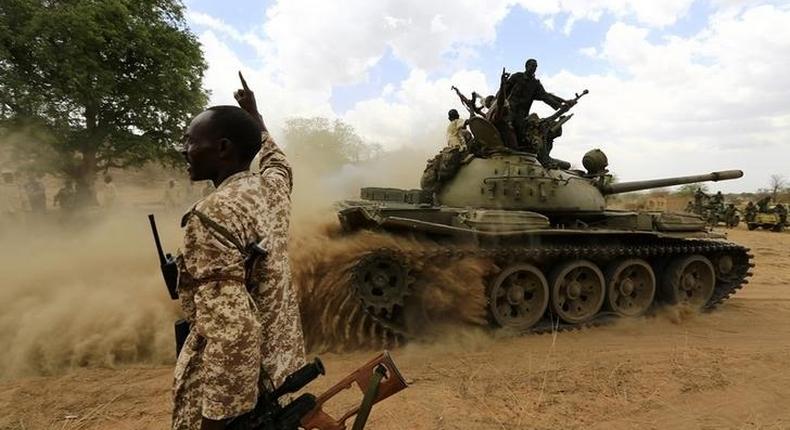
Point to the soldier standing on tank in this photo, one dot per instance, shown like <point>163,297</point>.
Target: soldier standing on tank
<point>246,333</point>
<point>456,137</point>
<point>521,89</point>
<point>750,212</point>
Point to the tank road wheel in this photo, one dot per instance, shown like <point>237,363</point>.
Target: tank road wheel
<point>690,280</point>
<point>381,280</point>
<point>518,297</point>
<point>630,287</point>
<point>577,291</point>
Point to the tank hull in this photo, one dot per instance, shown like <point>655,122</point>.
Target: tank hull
<point>583,265</point>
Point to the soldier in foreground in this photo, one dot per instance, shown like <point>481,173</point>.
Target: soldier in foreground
<point>246,333</point>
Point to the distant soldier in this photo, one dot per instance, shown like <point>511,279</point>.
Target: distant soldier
<point>207,189</point>
<point>190,193</point>
<point>170,198</point>
<point>699,201</point>
<point>11,202</point>
<point>750,212</point>
<point>689,207</point>
<point>717,201</point>
<point>781,212</point>
<point>36,194</point>
<point>455,130</point>
<point>762,204</point>
<point>109,192</point>
<point>64,198</point>
<point>730,215</point>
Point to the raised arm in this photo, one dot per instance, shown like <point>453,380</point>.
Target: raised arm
<point>246,100</point>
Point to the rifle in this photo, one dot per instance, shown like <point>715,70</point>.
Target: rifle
<point>377,379</point>
<point>469,104</point>
<point>170,274</point>
<point>566,107</point>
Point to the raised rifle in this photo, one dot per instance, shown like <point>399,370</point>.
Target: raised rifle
<point>469,104</point>
<point>377,379</point>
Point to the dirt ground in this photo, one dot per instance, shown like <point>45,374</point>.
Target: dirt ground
<point>725,369</point>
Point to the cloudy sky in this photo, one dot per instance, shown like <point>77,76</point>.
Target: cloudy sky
<point>676,86</point>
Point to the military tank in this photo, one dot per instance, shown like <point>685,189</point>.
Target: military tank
<point>561,258</point>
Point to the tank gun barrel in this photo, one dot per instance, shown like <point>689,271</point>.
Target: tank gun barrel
<point>625,187</point>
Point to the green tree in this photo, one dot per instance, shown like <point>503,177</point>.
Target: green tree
<point>326,145</point>
<point>97,84</point>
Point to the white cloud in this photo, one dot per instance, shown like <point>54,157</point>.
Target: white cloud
<point>648,12</point>
<point>716,100</point>
<point>416,112</point>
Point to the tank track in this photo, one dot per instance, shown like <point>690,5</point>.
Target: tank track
<point>658,248</point>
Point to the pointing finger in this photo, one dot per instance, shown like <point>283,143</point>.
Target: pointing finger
<point>243,82</point>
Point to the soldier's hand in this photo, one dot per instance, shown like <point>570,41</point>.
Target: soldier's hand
<point>246,98</point>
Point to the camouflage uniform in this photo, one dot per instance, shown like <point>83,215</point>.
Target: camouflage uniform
<point>241,341</point>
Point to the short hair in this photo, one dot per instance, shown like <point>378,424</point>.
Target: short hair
<point>238,126</point>
<point>453,114</point>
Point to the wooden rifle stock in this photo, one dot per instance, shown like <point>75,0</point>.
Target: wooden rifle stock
<point>392,383</point>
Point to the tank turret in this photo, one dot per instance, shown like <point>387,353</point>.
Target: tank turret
<point>518,181</point>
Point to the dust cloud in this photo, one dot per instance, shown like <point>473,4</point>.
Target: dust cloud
<point>447,292</point>
<point>87,292</point>
<point>82,293</point>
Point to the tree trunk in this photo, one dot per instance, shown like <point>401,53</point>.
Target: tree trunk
<point>85,174</point>
<point>85,177</point>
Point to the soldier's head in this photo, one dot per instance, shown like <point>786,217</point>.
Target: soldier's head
<point>489,101</point>
<point>220,141</point>
<point>530,66</point>
<point>452,115</point>
<point>107,179</point>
